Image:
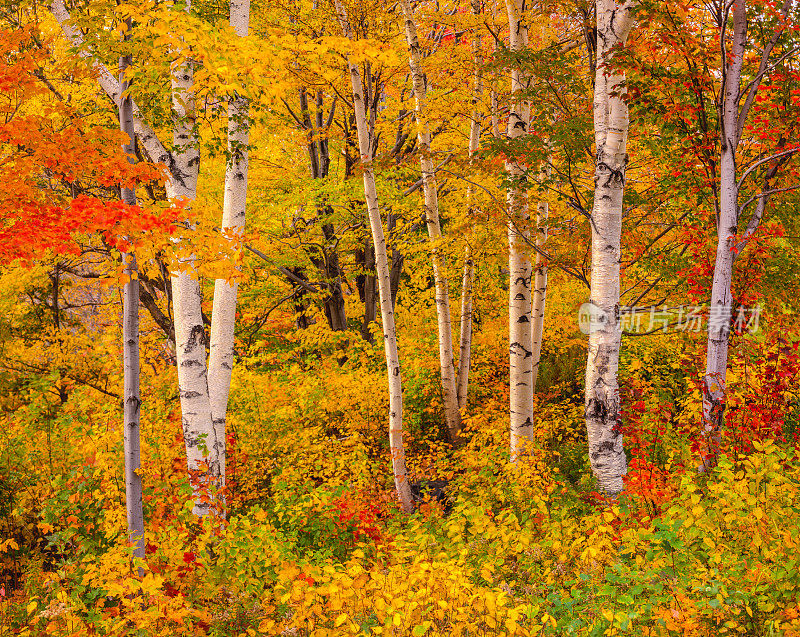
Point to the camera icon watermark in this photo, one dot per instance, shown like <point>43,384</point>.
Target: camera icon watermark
<point>679,318</point>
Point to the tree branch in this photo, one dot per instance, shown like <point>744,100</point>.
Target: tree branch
<point>752,167</point>
<point>152,145</point>
<point>752,88</point>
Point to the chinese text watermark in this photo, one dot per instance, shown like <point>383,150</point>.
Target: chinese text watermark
<point>680,318</point>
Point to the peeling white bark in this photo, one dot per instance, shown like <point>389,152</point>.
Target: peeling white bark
<point>602,404</point>
<point>382,272</point>
<point>519,265</point>
<point>446,365</point>
<point>190,337</point>
<point>223,317</point>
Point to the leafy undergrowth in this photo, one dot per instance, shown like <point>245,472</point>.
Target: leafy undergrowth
<point>314,543</point>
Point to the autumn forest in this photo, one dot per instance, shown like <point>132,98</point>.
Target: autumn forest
<point>403,318</point>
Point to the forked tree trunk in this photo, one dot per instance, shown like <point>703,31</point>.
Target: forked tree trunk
<point>602,405</point>
<point>190,339</point>
<point>735,105</point>
<point>325,257</point>
<point>130,341</point>
<point>446,364</point>
<point>519,265</point>
<point>223,316</point>
<point>382,271</point>
<point>202,447</point>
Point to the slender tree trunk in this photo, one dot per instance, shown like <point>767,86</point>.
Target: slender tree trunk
<point>446,365</point>
<point>602,405</point>
<point>130,342</point>
<point>714,385</point>
<point>465,335</point>
<point>382,270</point>
<point>539,276</point>
<point>396,266</point>
<point>223,316</point>
<point>539,290</point>
<point>55,281</point>
<point>334,303</point>
<point>519,265</point>
<point>328,265</point>
<point>465,338</point>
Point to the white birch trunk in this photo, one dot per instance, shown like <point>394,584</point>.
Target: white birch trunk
<point>519,265</point>
<point>382,273</point>
<point>602,404</point>
<point>714,385</point>
<point>539,295</point>
<point>223,317</point>
<point>190,340</point>
<point>446,365</point>
<point>539,291</point>
<point>190,336</point>
<point>130,343</point>
<point>465,336</point>
<point>465,339</point>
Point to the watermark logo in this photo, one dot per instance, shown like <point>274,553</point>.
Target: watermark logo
<point>591,318</point>
<point>680,318</point>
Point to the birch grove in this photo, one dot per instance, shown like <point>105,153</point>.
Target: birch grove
<point>173,465</point>
<point>602,403</point>
<point>446,363</point>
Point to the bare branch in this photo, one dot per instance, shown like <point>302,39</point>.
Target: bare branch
<point>752,167</point>
<point>291,112</point>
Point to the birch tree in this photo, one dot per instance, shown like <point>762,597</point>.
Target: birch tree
<point>539,291</point>
<point>465,333</point>
<point>735,99</point>
<point>365,146</point>
<point>202,447</point>
<point>130,339</point>
<point>190,339</point>
<point>446,364</point>
<point>602,404</point>
<point>519,264</point>
<point>223,317</point>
